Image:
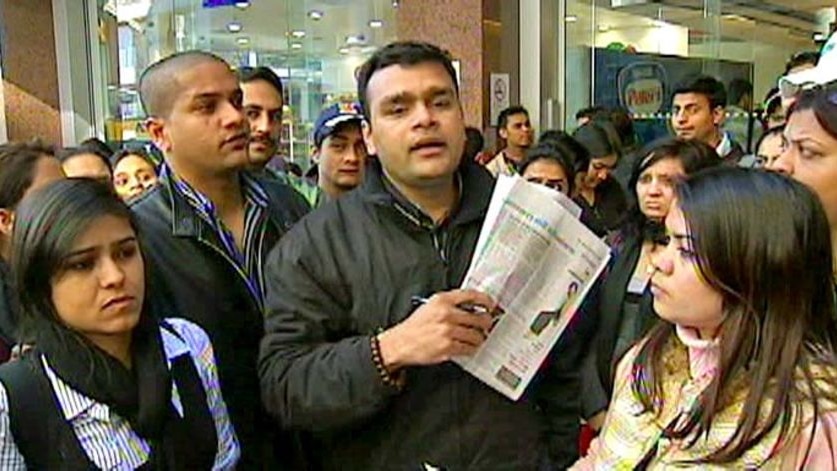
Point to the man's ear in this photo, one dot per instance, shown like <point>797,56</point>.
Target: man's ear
<point>719,114</point>
<point>7,222</point>
<point>315,155</point>
<point>504,134</point>
<point>156,128</point>
<point>367,139</point>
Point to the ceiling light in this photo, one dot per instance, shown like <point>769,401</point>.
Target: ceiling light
<point>243,41</point>
<point>242,4</point>
<point>127,11</point>
<point>376,24</point>
<point>344,50</point>
<point>395,3</point>
<point>298,33</point>
<point>734,17</point>
<point>234,27</point>
<point>315,15</point>
<point>570,18</point>
<point>355,40</point>
<point>296,45</point>
<point>819,37</point>
<point>603,28</point>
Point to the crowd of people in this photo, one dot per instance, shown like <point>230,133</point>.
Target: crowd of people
<point>205,305</point>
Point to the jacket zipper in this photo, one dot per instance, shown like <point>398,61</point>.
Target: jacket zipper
<point>233,266</point>
<point>440,246</point>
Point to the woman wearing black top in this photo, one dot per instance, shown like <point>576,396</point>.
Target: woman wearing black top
<point>623,304</point>
<point>107,384</point>
<point>600,196</point>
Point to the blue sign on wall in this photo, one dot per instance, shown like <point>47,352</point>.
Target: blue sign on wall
<point>218,3</point>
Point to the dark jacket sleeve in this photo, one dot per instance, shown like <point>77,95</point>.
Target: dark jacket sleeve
<point>594,396</point>
<point>315,373</point>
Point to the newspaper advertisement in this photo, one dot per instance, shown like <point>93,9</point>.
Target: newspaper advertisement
<point>538,262</point>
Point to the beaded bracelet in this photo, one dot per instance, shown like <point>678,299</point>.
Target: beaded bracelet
<point>386,377</point>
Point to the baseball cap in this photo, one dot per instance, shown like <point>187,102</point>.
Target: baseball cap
<point>334,115</point>
<point>824,72</point>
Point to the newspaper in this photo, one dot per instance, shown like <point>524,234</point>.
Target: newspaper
<point>538,262</point>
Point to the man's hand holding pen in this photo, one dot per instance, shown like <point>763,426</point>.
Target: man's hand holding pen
<point>446,325</point>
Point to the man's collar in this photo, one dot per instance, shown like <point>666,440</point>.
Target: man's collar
<point>725,146</point>
<point>511,164</point>
<point>253,190</point>
<point>415,210</point>
<point>185,218</point>
<point>475,188</point>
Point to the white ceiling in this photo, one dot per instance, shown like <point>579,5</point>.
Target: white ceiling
<point>776,21</point>
<point>267,25</point>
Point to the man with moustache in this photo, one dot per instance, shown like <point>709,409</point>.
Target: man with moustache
<point>209,224</point>
<point>263,103</point>
<point>364,311</point>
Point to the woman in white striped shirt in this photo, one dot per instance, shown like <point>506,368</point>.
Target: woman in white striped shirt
<point>107,384</point>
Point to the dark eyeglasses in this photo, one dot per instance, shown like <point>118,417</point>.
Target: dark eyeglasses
<point>788,89</point>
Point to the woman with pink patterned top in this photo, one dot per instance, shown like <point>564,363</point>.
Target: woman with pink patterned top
<point>741,372</point>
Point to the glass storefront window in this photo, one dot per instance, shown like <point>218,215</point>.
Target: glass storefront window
<point>633,52</point>
<point>314,46</point>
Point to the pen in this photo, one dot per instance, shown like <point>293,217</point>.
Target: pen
<point>472,308</point>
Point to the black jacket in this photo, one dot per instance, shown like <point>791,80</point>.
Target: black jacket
<point>606,306</point>
<point>608,212</point>
<point>189,276</point>
<point>348,270</point>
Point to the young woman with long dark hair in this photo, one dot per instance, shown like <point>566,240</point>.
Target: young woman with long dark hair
<point>741,373</point>
<point>622,305</point>
<point>107,384</point>
<point>600,196</point>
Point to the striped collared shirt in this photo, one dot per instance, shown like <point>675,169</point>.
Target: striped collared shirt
<point>108,439</point>
<point>248,263</point>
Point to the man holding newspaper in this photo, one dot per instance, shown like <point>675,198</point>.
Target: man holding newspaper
<point>365,310</point>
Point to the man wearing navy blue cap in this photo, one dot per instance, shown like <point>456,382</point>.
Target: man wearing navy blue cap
<point>340,152</point>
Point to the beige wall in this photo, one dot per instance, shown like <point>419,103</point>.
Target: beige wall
<point>30,76</point>
<point>454,25</point>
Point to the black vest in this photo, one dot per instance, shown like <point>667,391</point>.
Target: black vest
<point>47,441</point>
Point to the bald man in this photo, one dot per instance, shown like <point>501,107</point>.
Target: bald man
<point>209,224</point>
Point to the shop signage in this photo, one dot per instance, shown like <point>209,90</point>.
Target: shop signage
<point>500,100</point>
<point>642,87</point>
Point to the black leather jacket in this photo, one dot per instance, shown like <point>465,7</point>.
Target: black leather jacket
<point>190,276</point>
<point>349,269</point>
